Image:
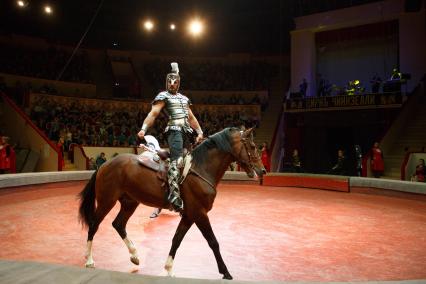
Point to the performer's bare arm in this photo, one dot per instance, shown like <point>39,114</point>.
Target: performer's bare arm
<point>193,122</point>
<point>150,118</point>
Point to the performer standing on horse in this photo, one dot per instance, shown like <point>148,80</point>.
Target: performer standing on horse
<point>181,123</point>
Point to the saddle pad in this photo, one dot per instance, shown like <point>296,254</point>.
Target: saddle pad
<point>148,158</point>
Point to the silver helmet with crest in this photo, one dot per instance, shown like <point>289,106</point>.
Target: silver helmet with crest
<point>173,79</point>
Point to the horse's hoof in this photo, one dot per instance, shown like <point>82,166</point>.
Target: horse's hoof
<point>90,265</point>
<point>168,267</point>
<point>227,276</point>
<point>134,260</point>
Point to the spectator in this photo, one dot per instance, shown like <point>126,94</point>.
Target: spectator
<point>60,146</point>
<point>100,160</point>
<point>303,87</point>
<point>377,164</point>
<point>68,138</point>
<point>375,83</point>
<point>396,75</point>
<point>92,164</point>
<point>296,164</point>
<point>321,86</point>
<point>265,157</point>
<point>420,173</point>
<point>358,158</point>
<point>7,156</point>
<point>340,167</point>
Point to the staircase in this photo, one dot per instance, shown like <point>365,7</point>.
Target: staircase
<point>270,116</point>
<point>412,137</point>
<point>68,165</point>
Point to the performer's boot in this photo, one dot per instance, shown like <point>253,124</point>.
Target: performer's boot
<point>155,213</point>
<point>174,192</point>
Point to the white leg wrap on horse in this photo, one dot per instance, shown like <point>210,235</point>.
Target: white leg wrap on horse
<point>90,263</point>
<point>132,250</point>
<point>130,246</point>
<point>169,265</point>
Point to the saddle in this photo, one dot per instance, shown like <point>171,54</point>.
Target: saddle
<point>157,159</point>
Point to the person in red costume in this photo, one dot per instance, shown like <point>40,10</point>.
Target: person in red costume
<point>7,156</point>
<point>377,164</point>
<point>60,145</point>
<point>265,157</point>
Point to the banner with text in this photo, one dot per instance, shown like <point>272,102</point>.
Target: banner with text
<point>344,102</point>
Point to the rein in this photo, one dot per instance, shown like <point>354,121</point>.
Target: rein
<point>196,172</point>
<point>237,158</point>
<point>200,176</point>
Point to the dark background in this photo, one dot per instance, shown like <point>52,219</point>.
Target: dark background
<point>232,25</point>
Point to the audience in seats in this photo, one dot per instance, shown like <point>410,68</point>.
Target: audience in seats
<point>95,126</point>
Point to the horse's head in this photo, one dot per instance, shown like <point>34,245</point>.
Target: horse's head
<point>247,154</point>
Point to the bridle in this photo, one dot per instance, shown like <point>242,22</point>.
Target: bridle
<point>251,158</point>
<point>240,161</point>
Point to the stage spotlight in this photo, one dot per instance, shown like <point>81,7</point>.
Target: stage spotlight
<point>172,27</point>
<point>48,9</point>
<point>148,25</point>
<point>196,27</point>
<point>22,3</point>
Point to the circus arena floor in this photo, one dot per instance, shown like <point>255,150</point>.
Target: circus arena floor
<point>265,233</point>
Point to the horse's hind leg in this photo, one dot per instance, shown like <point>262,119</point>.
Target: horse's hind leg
<point>128,207</point>
<point>203,223</point>
<point>180,233</point>
<point>102,209</point>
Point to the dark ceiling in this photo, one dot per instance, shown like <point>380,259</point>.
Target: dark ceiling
<point>232,25</point>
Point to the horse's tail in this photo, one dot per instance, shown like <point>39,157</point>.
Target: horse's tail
<point>87,202</point>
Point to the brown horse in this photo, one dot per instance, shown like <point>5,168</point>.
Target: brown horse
<point>123,179</point>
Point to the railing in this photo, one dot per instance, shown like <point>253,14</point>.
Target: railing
<point>82,154</point>
<point>37,132</point>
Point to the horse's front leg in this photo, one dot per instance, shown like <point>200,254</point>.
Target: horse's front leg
<point>203,223</point>
<point>183,227</point>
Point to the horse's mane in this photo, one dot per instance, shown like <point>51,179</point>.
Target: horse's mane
<point>219,140</point>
